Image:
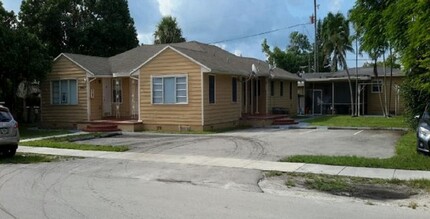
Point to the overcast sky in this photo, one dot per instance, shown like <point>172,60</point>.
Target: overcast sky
<point>210,21</point>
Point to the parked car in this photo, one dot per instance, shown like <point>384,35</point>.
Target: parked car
<point>423,131</point>
<point>9,133</point>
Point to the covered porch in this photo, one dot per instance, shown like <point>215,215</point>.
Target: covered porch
<point>113,98</point>
<point>324,97</point>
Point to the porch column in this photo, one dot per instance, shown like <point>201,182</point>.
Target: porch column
<point>87,81</point>
<point>252,96</point>
<point>257,90</point>
<point>246,96</point>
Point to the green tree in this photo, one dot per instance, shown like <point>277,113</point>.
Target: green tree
<point>336,42</point>
<point>91,27</point>
<point>168,31</point>
<point>296,56</point>
<point>369,22</point>
<point>22,57</point>
<point>403,25</point>
<point>110,29</point>
<point>408,30</point>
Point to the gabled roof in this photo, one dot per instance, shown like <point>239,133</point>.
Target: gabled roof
<point>92,64</point>
<point>212,58</point>
<point>363,73</point>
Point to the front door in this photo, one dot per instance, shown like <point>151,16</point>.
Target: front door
<point>107,97</point>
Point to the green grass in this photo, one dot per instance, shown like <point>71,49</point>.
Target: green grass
<point>362,121</point>
<point>26,132</point>
<point>328,184</point>
<point>24,158</point>
<point>406,157</point>
<point>64,143</point>
<point>336,184</point>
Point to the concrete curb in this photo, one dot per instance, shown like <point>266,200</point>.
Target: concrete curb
<point>238,163</point>
<point>342,128</point>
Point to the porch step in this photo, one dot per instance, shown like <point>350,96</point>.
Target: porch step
<point>101,128</point>
<point>284,121</point>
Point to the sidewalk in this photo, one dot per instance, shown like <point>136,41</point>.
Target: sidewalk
<point>238,163</point>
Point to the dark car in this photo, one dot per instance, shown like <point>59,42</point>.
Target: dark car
<point>9,133</point>
<point>423,131</point>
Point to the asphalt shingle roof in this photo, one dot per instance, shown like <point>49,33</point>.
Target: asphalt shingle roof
<point>362,72</point>
<point>213,57</point>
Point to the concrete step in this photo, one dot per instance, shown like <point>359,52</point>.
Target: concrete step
<point>101,128</point>
<point>284,121</point>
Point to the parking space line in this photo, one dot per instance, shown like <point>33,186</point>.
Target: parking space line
<point>307,132</point>
<point>358,132</point>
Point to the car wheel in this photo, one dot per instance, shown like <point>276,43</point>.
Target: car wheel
<point>9,153</point>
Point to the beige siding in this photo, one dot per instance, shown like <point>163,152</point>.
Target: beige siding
<point>64,115</point>
<point>287,100</point>
<point>170,62</point>
<point>224,110</point>
<point>96,99</point>
<point>374,105</point>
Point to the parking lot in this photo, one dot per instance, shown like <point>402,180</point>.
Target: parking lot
<point>263,144</point>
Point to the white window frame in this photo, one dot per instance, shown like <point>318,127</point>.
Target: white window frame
<point>68,92</point>
<point>175,76</point>
<point>378,83</point>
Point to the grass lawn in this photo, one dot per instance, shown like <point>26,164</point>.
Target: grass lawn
<point>362,121</point>
<point>406,158</point>
<point>24,158</point>
<point>65,143</point>
<point>26,132</point>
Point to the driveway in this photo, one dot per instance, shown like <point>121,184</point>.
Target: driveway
<point>263,144</point>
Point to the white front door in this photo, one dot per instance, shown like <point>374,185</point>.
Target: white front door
<point>107,97</point>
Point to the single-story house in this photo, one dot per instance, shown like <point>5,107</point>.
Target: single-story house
<point>188,85</point>
<point>328,93</point>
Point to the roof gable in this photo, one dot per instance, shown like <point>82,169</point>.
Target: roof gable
<point>175,50</point>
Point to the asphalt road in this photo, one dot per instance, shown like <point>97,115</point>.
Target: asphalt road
<point>263,144</point>
<point>103,188</point>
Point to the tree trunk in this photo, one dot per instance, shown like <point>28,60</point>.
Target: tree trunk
<point>391,80</point>
<point>375,72</point>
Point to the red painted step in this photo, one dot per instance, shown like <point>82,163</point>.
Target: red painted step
<point>101,128</point>
<point>284,121</point>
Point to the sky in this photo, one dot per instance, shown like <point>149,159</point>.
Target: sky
<point>211,21</point>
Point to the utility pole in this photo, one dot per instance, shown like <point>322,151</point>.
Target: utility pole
<point>357,89</point>
<point>316,39</point>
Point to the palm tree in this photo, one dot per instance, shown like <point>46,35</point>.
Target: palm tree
<point>336,42</point>
<point>168,31</point>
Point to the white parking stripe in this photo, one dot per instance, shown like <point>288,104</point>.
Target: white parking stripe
<point>307,132</point>
<point>358,132</point>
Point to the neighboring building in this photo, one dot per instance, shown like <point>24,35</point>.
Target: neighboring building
<point>328,93</point>
<point>177,86</point>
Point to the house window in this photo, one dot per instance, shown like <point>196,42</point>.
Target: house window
<point>211,89</point>
<point>272,88</point>
<point>234,90</point>
<point>169,90</point>
<point>281,88</point>
<point>291,90</point>
<point>117,90</point>
<point>377,86</point>
<point>64,92</point>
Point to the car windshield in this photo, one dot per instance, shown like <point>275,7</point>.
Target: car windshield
<point>5,116</point>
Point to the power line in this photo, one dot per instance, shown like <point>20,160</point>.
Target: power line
<point>258,34</point>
